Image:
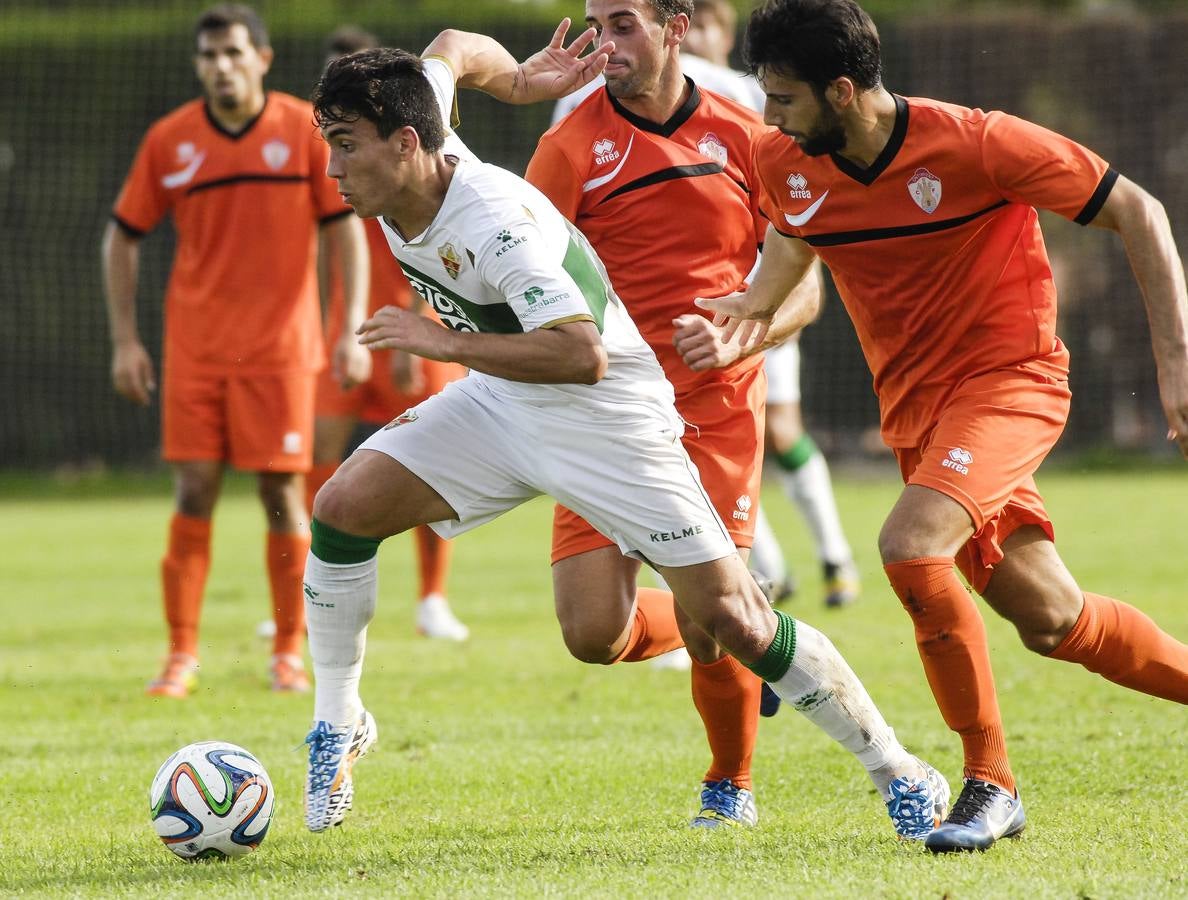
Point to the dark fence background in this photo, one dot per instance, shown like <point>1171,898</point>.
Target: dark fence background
<point>83,80</point>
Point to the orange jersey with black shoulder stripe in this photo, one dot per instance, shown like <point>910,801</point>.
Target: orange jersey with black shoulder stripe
<point>936,248</point>
<point>242,295</point>
<point>671,209</point>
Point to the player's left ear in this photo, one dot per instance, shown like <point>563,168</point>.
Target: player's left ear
<point>676,29</point>
<point>841,92</point>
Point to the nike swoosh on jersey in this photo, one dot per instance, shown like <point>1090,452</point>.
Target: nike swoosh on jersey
<point>802,219</point>
<point>603,179</point>
<point>177,179</point>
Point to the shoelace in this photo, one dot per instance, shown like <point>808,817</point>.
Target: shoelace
<point>326,747</point>
<point>910,809</point>
<point>974,797</point>
<point>721,796</point>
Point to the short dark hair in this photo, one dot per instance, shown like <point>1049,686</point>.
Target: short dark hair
<point>384,86</point>
<point>667,10</point>
<point>348,39</point>
<point>223,16</point>
<point>816,41</point>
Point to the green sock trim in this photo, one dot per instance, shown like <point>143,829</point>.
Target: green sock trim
<point>333,546</point>
<point>778,659</point>
<point>797,455</point>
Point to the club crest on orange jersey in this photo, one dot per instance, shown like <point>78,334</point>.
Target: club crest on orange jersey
<point>450,259</point>
<point>712,147</point>
<point>925,190</point>
<point>276,154</point>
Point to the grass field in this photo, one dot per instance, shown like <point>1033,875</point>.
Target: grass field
<point>506,768</point>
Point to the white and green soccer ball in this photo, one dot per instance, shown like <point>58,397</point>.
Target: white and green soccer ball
<point>211,800</point>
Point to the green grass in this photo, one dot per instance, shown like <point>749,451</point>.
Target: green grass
<point>506,768</point>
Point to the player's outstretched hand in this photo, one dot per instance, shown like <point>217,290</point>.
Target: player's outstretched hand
<point>132,372</point>
<point>558,70</point>
<point>699,342</point>
<point>392,328</point>
<point>350,363</point>
<point>739,314</point>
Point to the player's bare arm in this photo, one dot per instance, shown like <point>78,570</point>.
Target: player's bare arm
<point>1142,223</point>
<point>345,237</point>
<point>481,63</point>
<point>131,366</point>
<point>567,353</point>
<point>786,263</point>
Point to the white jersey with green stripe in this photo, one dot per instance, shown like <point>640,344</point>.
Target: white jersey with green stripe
<point>499,258</point>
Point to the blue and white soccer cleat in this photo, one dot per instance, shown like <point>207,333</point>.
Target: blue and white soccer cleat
<point>917,806</point>
<point>982,814</point>
<point>329,785</point>
<point>725,805</point>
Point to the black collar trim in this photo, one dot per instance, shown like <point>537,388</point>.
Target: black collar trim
<point>666,129</point>
<point>898,133</point>
<point>234,135</point>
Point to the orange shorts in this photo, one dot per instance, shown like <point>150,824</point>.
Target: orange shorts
<point>724,438</point>
<point>993,434</point>
<point>378,400</point>
<point>258,423</point>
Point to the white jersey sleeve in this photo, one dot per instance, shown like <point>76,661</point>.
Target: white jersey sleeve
<point>441,79</point>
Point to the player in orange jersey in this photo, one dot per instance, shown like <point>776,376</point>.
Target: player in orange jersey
<point>925,213</point>
<point>398,382</point>
<point>242,172</point>
<point>657,174</point>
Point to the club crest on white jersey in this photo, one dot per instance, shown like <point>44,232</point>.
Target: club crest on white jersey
<point>712,147</point>
<point>925,190</point>
<point>276,154</point>
<point>450,259</point>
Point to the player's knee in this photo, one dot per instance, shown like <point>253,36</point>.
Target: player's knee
<point>899,542</point>
<point>335,507</point>
<point>1045,631</point>
<point>196,497</point>
<point>588,646</point>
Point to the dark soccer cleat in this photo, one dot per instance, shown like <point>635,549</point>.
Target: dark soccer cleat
<point>769,702</point>
<point>982,814</point>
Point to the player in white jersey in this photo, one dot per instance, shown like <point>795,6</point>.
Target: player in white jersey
<point>564,398</point>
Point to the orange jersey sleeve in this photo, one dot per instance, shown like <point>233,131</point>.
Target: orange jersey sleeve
<point>144,200</point>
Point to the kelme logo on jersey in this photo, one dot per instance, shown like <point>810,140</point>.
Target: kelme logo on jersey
<point>711,146</point>
<point>604,151</point>
<point>409,415</point>
<point>925,190</point>
<point>508,240</point>
<point>276,154</point>
<point>743,511</point>
<point>798,187</point>
<point>959,460</point>
<point>450,259</point>
<point>451,314</point>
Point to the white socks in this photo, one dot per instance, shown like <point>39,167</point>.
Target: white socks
<point>339,604</point>
<point>811,489</point>
<point>822,685</point>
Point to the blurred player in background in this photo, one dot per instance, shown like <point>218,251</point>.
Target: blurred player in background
<point>242,172</point>
<point>926,214</point>
<point>398,381</point>
<point>564,397</point>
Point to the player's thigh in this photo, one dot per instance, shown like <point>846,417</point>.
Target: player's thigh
<point>470,448</point>
<point>270,421</point>
<point>594,597</point>
<point>193,417</point>
<point>724,438</point>
<point>374,495</point>
<point>1033,589</point>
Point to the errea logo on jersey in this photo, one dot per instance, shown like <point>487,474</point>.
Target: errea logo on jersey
<point>604,151</point>
<point>798,187</point>
<point>959,460</point>
<point>743,512</point>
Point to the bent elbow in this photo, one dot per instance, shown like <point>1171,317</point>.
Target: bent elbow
<point>594,365</point>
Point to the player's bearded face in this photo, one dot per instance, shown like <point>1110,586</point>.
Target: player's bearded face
<point>634,68</point>
<point>230,67</point>
<point>826,135</point>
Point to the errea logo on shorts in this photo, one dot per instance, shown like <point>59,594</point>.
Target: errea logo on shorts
<point>798,187</point>
<point>743,512</point>
<point>959,460</point>
<point>604,151</point>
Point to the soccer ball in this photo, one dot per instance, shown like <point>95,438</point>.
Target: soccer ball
<point>211,800</point>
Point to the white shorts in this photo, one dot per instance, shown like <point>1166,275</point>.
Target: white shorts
<point>783,372</point>
<point>628,476</point>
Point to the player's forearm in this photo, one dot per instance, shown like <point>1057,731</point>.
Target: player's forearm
<point>479,62</point>
<point>800,309</point>
<point>783,283</point>
<point>562,355</point>
<point>121,265</point>
<point>349,242</point>
<point>1159,271</point>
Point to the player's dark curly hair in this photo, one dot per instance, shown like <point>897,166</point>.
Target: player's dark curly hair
<point>666,10</point>
<point>385,86</point>
<point>816,41</point>
<point>224,15</point>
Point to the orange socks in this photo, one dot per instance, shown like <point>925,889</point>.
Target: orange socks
<point>951,638</point>
<point>654,629</point>
<point>314,479</point>
<point>183,579</point>
<point>726,694</point>
<point>286,570</point>
<point>433,560</point>
<point>1118,642</point>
